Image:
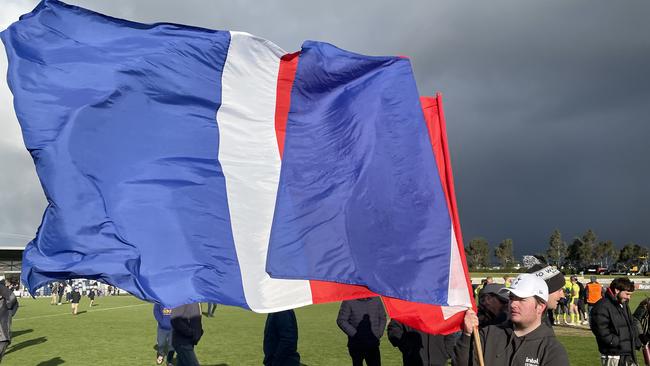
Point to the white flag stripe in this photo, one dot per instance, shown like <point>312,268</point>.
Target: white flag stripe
<point>249,156</point>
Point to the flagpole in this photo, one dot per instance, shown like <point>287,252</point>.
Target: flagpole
<point>478,347</point>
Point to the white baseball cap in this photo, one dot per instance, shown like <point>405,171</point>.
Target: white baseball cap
<point>528,285</point>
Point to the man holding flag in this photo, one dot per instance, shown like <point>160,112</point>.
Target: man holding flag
<point>524,341</point>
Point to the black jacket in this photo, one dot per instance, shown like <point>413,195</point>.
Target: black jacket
<point>281,339</point>
<point>186,325</point>
<point>419,348</point>
<point>501,347</point>
<point>363,320</point>
<point>612,325</point>
<point>8,308</point>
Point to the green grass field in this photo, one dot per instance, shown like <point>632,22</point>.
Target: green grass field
<point>121,331</point>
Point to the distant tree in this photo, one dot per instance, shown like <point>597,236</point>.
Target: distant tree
<point>581,251</point>
<point>557,249</point>
<point>504,253</point>
<point>589,242</point>
<point>605,253</point>
<point>477,253</point>
<point>631,254</point>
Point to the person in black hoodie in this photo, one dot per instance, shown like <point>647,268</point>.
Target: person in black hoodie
<point>186,333</point>
<point>419,348</point>
<point>525,340</point>
<point>364,322</point>
<point>281,339</point>
<point>613,326</point>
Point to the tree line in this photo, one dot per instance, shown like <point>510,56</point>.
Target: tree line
<point>583,251</point>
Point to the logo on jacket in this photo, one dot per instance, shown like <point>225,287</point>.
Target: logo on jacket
<point>531,361</point>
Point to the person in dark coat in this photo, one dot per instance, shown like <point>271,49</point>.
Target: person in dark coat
<point>281,339</point>
<point>91,296</point>
<point>419,348</point>
<point>61,291</point>
<point>613,326</point>
<point>364,321</point>
<point>75,297</point>
<point>186,333</point>
<point>8,308</point>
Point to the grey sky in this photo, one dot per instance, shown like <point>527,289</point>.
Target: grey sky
<point>547,102</point>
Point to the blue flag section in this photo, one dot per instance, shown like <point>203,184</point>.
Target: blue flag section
<point>157,149</point>
<point>119,118</point>
<point>360,200</point>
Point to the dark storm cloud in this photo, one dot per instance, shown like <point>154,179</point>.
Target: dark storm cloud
<point>547,103</point>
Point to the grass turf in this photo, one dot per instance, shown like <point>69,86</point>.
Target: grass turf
<point>121,330</point>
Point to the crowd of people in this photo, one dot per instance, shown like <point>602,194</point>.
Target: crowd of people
<point>513,325</point>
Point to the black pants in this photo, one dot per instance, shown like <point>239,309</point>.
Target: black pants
<point>370,354</point>
<point>211,308</point>
<point>185,355</point>
<point>3,348</point>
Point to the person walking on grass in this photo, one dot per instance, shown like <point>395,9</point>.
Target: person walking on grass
<point>281,339</point>
<point>75,297</point>
<point>212,307</point>
<point>54,288</point>
<point>364,322</point>
<point>186,333</point>
<point>8,308</point>
<point>164,348</point>
<point>91,296</point>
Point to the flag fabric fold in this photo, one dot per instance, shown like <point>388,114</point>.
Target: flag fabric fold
<point>186,164</point>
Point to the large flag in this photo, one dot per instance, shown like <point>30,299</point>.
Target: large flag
<point>436,319</point>
<point>176,159</point>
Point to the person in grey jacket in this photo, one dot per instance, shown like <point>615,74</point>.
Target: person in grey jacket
<point>523,341</point>
<point>364,321</point>
<point>8,308</point>
<point>186,333</point>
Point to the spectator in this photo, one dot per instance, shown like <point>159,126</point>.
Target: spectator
<point>186,333</point>
<point>281,339</point>
<point>164,346</point>
<point>8,308</point>
<point>61,291</point>
<point>492,305</point>
<point>582,301</point>
<point>75,297</point>
<point>91,296</point>
<point>594,292</point>
<point>507,280</point>
<point>419,348</point>
<point>478,289</point>
<point>524,340</point>
<point>364,321</point>
<point>54,288</point>
<point>612,324</point>
<point>555,283</point>
<point>211,309</point>
<point>574,297</point>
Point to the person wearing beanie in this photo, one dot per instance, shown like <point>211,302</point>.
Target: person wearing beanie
<point>522,341</point>
<point>554,281</point>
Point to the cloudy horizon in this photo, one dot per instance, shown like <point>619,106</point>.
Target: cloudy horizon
<point>547,103</point>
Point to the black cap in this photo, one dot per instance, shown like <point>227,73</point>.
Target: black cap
<point>553,277</point>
